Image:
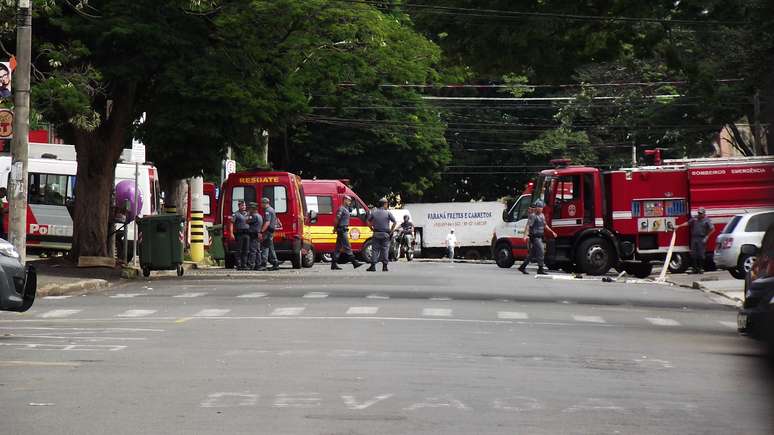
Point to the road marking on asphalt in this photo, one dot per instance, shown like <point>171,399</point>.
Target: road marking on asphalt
<point>126,295</point>
<point>252,295</point>
<point>211,312</point>
<point>362,310</point>
<point>440,299</point>
<point>288,311</point>
<point>190,295</point>
<point>58,297</point>
<point>136,313</point>
<point>512,315</point>
<point>82,330</point>
<point>731,325</point>
<point>83,347</point>
<point>183,319</point>
<point>589,319</point>
<point>58,313</point>
<point>662,322</point>
<point>316,295</point>
<point>377,297</point>
<point>437,312</point>
<point>70,338</point>
<point>37,364</point>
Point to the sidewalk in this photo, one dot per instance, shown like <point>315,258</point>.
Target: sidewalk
<point>59,276</point>
<point>719,282</point>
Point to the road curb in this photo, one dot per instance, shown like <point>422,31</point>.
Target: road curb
<point>698,286</point>
<point>79,287</point>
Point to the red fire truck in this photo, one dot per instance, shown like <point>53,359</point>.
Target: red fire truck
<point>624,218</point>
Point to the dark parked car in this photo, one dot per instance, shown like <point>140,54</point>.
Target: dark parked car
<point>756,318</point>
<point>18,284</point>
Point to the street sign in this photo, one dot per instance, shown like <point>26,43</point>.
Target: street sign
<point>6,124</point>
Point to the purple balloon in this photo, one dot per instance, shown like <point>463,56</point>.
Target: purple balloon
<point>125,192</point>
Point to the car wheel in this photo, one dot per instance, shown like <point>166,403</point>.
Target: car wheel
<point>746,263</point>
<point>367,252</point>
<point>308,258</point>
<point>296,259</point>
<point>640,270</point>
<point>504,256</point>
<point>595,256</point>
<point>736,273</point>
<point>679,262</point>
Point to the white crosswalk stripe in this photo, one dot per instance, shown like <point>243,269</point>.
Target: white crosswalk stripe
<point>288,311</point>
<point>589,319</point>
<point>316,295</point>
<point>362,310</point>
<point>512,315</point>
<point>731,325</point>
<point>440,299</point>
<point>377,297</point>
<point>658,321</point>
<point>57,297</point>
<point>59,313</point>
<point>211,312</point>
<point>126,295</point>
<point>437,312</point>
<point>190,295</point>
<point>136,313</point>
<point>252,295</point>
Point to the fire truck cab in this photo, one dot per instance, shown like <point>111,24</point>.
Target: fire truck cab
<point>625,218</point>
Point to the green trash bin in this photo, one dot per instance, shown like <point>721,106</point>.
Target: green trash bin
<point>217,252</point>
<point>161,243</point>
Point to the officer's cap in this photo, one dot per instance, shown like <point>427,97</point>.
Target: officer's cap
<point>253,205</point>
<point>383,201</point>
<point>265,200</point>
<point>348,197</point>
<point>539,204</point>
<point>702,211</point>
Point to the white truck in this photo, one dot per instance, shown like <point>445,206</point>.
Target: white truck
<point>473,224</point>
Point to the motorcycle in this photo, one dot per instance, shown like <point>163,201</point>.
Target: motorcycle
<point>402,244</point>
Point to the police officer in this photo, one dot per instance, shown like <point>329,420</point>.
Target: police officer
<point>701,230</point>
<point>256,223</point>
<point>268,255</point>
<point>379,222</point>
<point>341,228</point>
<point>240,231</point>
<point>535,232</point>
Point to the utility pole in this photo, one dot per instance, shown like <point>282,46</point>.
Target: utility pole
<point>17,225</point>
<point>757,129</point>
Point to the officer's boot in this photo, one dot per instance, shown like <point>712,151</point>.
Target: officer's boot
<point>523,269</point>
<point>541,271</point>
<point>355,263</point>
<point>372,268</point>
<point>334,265</point>
<point>384,267</point>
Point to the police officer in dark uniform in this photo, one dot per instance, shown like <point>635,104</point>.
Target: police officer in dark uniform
<point>240,230</point>
<point>341,228</point>
<point>535,232</point>
<point>268,255</point>
<point>256,223</point>
<point>701,230</point>
<point>379,222</point>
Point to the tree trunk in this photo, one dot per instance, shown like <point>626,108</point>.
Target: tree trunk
<point>93,189</point>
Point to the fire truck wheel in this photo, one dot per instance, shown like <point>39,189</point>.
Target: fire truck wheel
<point>595,256</point>
<point>640,270</point>
<point>308,259</point>
<point>679,262</point>
<point>504,256</point>
<point>296,259</point>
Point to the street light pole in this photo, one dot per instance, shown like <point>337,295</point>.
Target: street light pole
<point>17,225</point>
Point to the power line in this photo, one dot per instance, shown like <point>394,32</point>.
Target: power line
<point>528,86</point>
<point>504,14</point>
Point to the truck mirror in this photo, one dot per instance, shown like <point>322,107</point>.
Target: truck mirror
<point>506,216</point>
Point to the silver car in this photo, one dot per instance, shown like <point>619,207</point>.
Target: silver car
<point>740,241</point>
<point>18,284</point>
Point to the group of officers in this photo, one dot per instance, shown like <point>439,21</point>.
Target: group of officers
<point>380,221</point>
<point>254,234</point>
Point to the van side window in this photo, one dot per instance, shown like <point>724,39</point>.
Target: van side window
<point>278,197</point>
<point>242,193</point>
<point>49,189</point>
<point>759,223</point>
<point>320,204</point>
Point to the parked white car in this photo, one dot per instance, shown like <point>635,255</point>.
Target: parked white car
<point>740,241</point>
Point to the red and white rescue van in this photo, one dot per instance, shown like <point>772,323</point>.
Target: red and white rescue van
<point>292,237</point>
<point>624,218</point>
<point>325,197</point>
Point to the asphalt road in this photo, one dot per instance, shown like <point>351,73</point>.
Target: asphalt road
<point>427,348</point>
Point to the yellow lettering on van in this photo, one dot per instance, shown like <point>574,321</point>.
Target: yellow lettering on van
<point>258,180</point>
